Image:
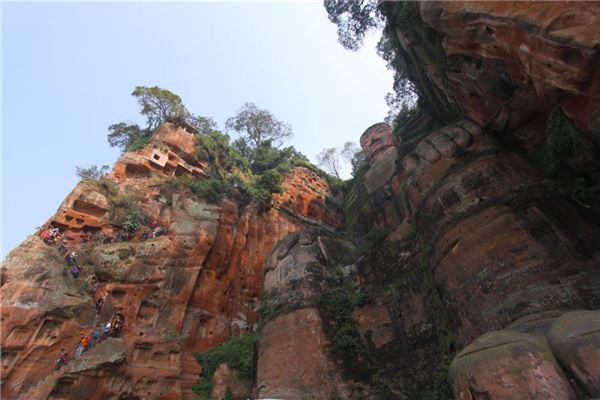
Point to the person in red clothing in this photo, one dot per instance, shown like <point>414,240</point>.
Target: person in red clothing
<point>85,342</point>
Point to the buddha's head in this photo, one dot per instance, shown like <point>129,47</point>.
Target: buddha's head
<point>375,140</point>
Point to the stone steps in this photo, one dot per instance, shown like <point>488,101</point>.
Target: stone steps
<point>45,386</point>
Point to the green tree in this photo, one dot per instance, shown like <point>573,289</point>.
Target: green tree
<point>92,172</point>
<point>256,125</point>
<point>204,125</point>
<point>354,18</point>
<point>159,105</point>
<point>128,136</point>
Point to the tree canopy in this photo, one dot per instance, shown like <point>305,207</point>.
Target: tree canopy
<point>92,172</point>
<point>256,125</point>
<point>329,159</point>
<point>354,18</point>
<point>158,106</point>
<point>127,136</point>
<point>333,159</point>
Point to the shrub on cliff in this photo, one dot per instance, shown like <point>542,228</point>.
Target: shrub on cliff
<point>237,352</point>
<point>215,148</point>
<point>212,189</point>
<point>128,137</point>
<point>91,173</point>
<point>355,18</point>
<point>565,154</point>
<point>563,142</point>
<point>125,212</point>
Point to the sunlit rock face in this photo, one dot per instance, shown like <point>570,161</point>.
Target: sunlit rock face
<point>185,291</point>
<point>469,257</point>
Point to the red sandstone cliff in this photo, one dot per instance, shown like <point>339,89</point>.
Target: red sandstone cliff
<point>188,290</point>
<point>469,259</point>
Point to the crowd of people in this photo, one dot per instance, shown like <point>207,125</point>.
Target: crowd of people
<point>113,326</point>
<point>87,341</point>
<point>53,235</point>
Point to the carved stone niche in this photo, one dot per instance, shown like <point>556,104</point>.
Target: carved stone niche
<point>174,356</point>
<point>142,352</point>
<point>18,337</point>
<point>49,332</point>
<point>8,360</point>
<point>148,313</point>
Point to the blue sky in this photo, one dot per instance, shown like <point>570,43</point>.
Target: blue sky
<point>68,70</point>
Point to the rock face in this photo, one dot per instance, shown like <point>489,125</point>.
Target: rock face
<point>185,291</point>
<point>506,66</point>
<point>226,377</point>
<point>524,361</point>
<point>575,341</point>
<point>548,53</point>
<point>508,365</point>
<point>294,358</point>
<point>450,252</point>
<point>293,362</point>
<point>478,240</point>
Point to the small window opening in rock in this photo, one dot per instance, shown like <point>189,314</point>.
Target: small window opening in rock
<point>79,221</point>
<point>489,30</point>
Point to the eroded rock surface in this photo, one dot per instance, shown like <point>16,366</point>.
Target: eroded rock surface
<point>514,364</point>
<point>187,290</point>
<point>508,365</point>
<point>295,278</point>
<point>298,336</point>
<point>464,246</point>
<point>475,238</point>
<point>575,341</point>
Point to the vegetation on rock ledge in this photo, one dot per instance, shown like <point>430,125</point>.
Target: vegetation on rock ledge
<point>565,147</point>
<point>237,352</point>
